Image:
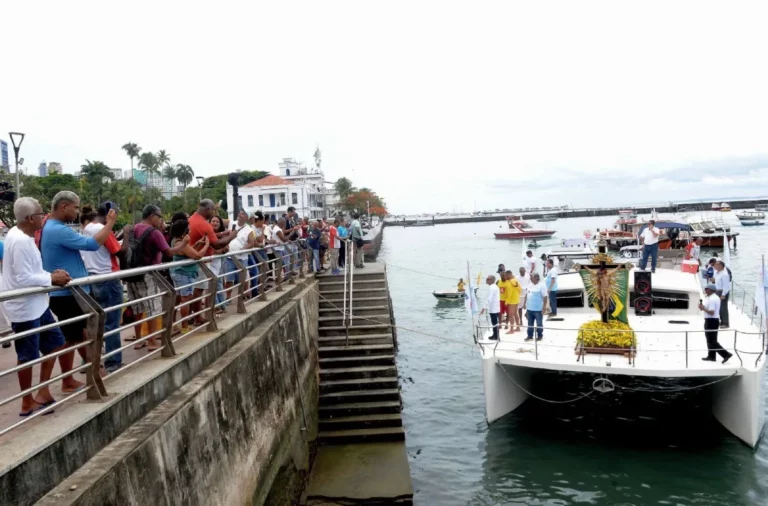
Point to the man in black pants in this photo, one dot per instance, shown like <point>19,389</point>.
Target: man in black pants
<point>711,308</point>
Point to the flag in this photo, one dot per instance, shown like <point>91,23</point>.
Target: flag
<point>470,300</point>
<point>761,297</point>
<point>726,250</point>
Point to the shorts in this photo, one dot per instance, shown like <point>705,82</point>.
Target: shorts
<point>67,307</point>
<point>201,276</point>
<point>230,269</point>
<point>28,348</point>
<point>181,278</point>
<point>502,308</point>
<point>144,288</point>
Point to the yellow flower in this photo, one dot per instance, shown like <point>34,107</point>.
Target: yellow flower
<point>614,334</point>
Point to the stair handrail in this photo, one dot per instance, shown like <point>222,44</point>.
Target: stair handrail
<point>351,287</point>
<point>344,311</point>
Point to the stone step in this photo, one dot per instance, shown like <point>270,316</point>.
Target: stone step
<point>364,339</point>
<point>338,302</point>
<point>385,382</point>
<point>356,329</point>
<point>329,277</point>
<point>358,284</point>
<point>356,361</point>
<point>362,311</point>
<point>354,350</point>
<point>332,321</point>
<point>338,292</point>
<point>359,408</point>
<point>367,435</point>
<point>361,422</point>
<point>345,397</point>
<point>376,371</point>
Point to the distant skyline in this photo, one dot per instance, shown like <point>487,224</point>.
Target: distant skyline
<point>433,105</point>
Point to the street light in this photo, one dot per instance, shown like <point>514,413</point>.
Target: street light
<point>200,180</point>
<point>16,139</point>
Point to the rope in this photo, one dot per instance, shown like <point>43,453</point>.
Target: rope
<point>421,272</point>
<point>568,401</point>
<point>673,390</point>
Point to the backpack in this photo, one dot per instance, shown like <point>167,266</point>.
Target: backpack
<point>133,257</point>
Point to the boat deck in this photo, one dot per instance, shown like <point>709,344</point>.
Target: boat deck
<point>660,351</point>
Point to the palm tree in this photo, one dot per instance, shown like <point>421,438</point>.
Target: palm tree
<point>95,173</point>
<point>163,160</point>
<point>133,151</point>
<point>148,162</point>
<point>185,175</point>
<point>131,194</point>
<point>343,187</point>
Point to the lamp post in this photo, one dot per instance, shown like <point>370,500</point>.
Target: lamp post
<point>200,180</point>
<point>16,139</point>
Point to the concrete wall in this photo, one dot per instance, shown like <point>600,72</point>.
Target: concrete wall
<point>225,435</point>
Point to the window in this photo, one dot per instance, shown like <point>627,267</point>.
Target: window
<point>287,172</point>
<point>282,199</point>
<point>294,198</point>
<point>240,201</point>
<point>250,200</point>
<point>261,200</point>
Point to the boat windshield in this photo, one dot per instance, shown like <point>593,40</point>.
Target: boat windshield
<point>697,227</point>
<point>521,224</point>
<point>709,224</point>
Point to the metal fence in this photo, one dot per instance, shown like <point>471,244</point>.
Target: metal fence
<point>273,267</point>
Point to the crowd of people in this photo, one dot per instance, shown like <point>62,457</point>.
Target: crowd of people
<point>510,296</point>
<point>43,250</point>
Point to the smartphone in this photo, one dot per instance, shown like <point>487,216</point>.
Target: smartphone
<point>108,207</point>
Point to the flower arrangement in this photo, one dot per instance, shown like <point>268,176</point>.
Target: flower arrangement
<point>596,334</point>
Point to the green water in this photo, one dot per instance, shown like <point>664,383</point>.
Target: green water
<point>609,449</point>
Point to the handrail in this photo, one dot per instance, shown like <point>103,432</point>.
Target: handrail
<point>266,260</point>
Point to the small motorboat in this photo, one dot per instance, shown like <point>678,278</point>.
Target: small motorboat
<point>725,207</point>
<point>519,229</point>
<point>752,223</point>
<point>750,215</point>
<point>533,244</point>
<point>548,218</point>
<point>449,295</point>
<point>420,223</point>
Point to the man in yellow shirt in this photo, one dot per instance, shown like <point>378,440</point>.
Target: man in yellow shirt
<point>512,299</point>
<point>460,287</point>
<point>505,287</point>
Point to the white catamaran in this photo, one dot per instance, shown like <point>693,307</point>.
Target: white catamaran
<point>667,341</point>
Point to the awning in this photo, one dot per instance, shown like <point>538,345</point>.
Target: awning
<point>666,224</point>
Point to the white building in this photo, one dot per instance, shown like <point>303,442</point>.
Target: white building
<point>166,186</point>
<point>117,173</point>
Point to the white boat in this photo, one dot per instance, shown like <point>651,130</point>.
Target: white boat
<point>750,215</point>
<point>761,207</point>
<point>449,294</point>
<point>669,343</point>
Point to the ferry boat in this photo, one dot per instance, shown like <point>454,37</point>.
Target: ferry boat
<point>668,343</point>
<point>519,229</point>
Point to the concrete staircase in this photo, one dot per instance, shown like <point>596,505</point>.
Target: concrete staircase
<point>359,388</point>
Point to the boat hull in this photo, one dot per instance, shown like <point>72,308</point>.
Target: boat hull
<point>503,392</point>
<point>524,235</point>
<point>448,295</point>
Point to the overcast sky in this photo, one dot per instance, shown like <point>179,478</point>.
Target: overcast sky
<point>438,106</point>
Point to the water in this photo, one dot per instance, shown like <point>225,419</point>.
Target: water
<point>612,449</point>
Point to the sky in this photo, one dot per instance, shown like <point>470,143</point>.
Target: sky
<point>438,106</point>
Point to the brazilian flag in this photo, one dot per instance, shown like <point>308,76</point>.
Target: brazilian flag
<point>619,293</point>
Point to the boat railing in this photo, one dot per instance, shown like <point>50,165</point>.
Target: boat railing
<point>631,352</point>
<point>267,270</point>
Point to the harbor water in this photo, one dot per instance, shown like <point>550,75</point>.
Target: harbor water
<point>609,449</point>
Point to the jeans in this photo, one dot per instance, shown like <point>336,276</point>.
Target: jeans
<point>495,322</point>
<point>107,294</point>
<point>291,250</point>
<point>535,316</point>
<point>711,325</point>
<point>316,265</point>
<point>343,255</point>
<point>553,303</point>
<point>221,297</point>
<point>651,250</point>
<point>253,272</point>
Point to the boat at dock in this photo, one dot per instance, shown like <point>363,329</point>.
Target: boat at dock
<point>659,336</point>
<point>519,229</point>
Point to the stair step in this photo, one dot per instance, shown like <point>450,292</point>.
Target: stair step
<point>360,349</point>
<point>361,421</point>
<point>358,372</point>
<point>356,291</point>
<point>356,340</point>
<point>359,408</point>
<point>362,435</point>
<point>358,360</point>
<point>383,382</point>
<point>357,327</point>
<point>356,281</point>
<point>348,396</point>
<point>354,317</point>
<point>370,308</point>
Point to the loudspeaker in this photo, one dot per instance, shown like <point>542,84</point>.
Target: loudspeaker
<point>643,293</point>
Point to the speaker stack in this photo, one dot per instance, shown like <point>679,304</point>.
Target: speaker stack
<point>643,293</point>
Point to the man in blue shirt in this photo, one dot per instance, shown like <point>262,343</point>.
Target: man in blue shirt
<point>313,241</point>
<point>60,247</point>
<point>535,301</point>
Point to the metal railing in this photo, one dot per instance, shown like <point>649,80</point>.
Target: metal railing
<point>270,268</point>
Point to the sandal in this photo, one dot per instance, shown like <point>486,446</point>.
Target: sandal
<point>140,345</point>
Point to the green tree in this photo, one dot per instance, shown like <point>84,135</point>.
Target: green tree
<point>163,162</point>
<point>343,187</point>
<point>148,162</point>
<point>133,151</point>
<point>94,173</point>
<point>185,175</point>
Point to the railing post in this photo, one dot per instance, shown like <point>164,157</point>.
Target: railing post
<point>292,261</point>
<point>263,269</point>
<point>686,349</point>
<point>242,279</point>
<point>95,330</point>
<point>535,344</point>
<point>212,282</point>
<point>169,306</point>
<point>351,288</point>
<point>301,253</point>
<point>279,273</point>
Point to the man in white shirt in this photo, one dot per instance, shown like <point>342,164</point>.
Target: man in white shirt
<point>649,238</point>
<point>524,279</point>
<point>494,304</point>
<point>551,283</point>
<point>530,262</point>
<point>711,307</point>
<point>23,268</point>
<point>723,287</point>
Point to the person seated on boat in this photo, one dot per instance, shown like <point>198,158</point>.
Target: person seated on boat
<point>512,300</point>
<point>460,286</point>
<point>693,250</point>
<point>493,305</point>
<point>535,302</point>
<point>711,307</point>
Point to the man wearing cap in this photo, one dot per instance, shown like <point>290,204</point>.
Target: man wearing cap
<point>711,308</point>
<point>649,238</point>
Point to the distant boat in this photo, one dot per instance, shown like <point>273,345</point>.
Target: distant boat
<point>761,207</point>
<point>421,223</point>
<point>450,295</point>
<point>548,218</point>
<point>752,223</point>
<point>750,215</point>
<point>519,229</point>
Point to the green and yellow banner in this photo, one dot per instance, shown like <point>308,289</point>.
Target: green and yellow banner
<point>616,282</point>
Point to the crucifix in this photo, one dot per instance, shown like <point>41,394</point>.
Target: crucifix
<point>606,284</point>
